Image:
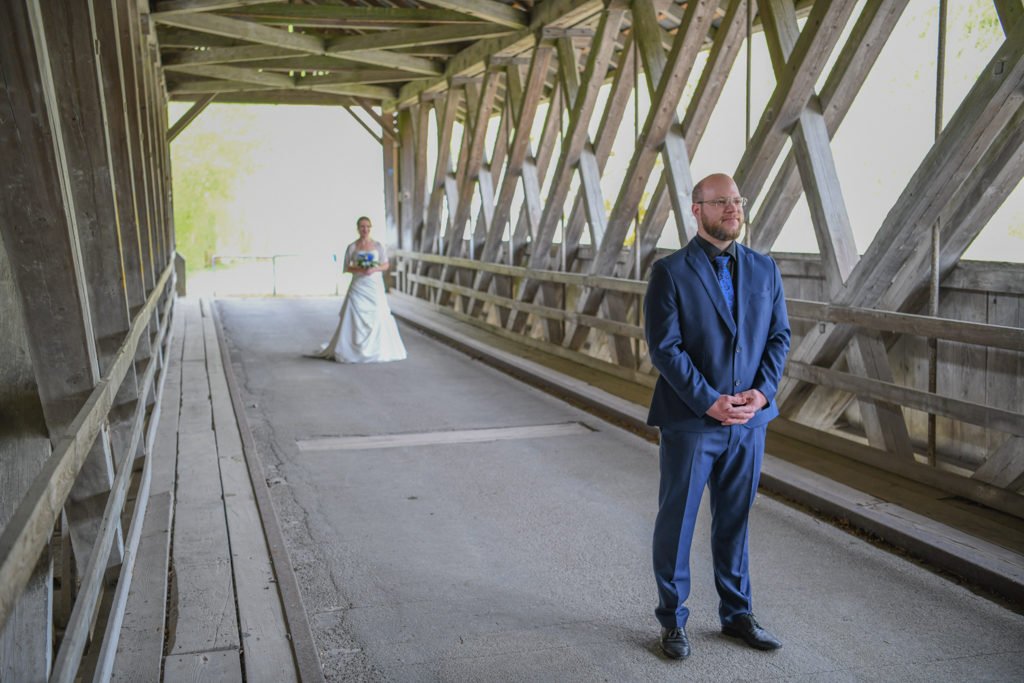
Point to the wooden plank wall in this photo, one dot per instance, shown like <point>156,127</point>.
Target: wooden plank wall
<point>85,235</point>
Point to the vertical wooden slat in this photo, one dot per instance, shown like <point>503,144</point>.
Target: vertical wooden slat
<point>391,215</point>
<point>130,79</point>
<point>84,124</point>
<point>38,222</point>
<point>420,179</point>
<point>406,179</point>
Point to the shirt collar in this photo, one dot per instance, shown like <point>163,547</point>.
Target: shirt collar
<point>712,251</point>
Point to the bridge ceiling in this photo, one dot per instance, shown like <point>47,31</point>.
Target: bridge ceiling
<point>356,52</point>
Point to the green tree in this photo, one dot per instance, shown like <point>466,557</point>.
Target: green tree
<point>209,160</point>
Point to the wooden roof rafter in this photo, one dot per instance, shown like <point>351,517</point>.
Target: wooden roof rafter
<point>400,37</point>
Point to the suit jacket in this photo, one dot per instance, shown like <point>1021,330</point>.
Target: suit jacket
<point>700,350</point>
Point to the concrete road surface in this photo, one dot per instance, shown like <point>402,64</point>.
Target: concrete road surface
<point>442,552</point>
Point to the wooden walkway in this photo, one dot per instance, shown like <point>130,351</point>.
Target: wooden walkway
<point>209,601</point>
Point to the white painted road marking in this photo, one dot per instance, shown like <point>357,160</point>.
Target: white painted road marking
<point>358,443</point>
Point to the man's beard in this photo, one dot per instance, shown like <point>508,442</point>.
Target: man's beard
<point>720,232</point>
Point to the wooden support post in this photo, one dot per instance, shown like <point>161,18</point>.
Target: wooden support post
<point>406,179</point>
<point>391,215</point>
<point>420,179</point>
<point>126,27</point>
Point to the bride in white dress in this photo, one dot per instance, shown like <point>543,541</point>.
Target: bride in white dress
<point>366,332</point>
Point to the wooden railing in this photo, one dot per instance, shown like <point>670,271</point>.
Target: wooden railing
<point>1008,419</point>
<point>29,530</point>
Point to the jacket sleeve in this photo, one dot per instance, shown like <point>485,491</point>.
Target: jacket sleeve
<point>662,326</point>
<point>776,347</point>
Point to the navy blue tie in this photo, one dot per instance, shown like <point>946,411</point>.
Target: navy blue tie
<point>725,282</point>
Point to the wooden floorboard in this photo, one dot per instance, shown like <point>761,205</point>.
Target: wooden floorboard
<point>203,600</point>
<point>264,631</point>
<point>225,613</point>
<point>198,667</point>
<point>140,645</point>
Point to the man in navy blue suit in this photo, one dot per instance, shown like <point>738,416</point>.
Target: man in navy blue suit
<point>718,333</point>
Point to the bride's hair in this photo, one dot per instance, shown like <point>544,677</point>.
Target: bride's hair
<point>364,218</point>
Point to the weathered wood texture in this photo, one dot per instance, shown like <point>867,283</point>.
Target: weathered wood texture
<point>971,169</point>
<point>984,421</point>
<point>139,653</point>
<point>24,447</point>
<point>224,596</point>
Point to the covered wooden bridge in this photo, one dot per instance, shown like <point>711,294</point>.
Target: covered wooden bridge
<point>122,429</point>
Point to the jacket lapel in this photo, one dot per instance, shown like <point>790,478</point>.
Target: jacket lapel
<point>698,260</point>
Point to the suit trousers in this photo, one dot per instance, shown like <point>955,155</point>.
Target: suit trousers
<point>728,462</point>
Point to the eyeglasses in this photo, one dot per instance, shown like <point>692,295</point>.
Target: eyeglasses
<point>722,202</point>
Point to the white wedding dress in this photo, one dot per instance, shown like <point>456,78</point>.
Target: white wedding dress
<point>366,332</point>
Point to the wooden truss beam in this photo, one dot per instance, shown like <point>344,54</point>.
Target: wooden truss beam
<point>415,37</point>
<point>189,116</point>
<point>517,156</point>
<point>884,422</point>
<point>660,118</point>
<point>868,37</point>
<point>477,135</point>
<point>572,146</point>
<point>795,87</point>
<point>342,16</point>
<point>474,60</point>
<point>486,10</point>
<point>981,118</point>
<point>728,39</point>
<point>226,55</point>
<point>169,7</point>
<point>243,30</point>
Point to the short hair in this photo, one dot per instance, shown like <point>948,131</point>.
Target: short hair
<point>698,192</point>
<point>363,218</point>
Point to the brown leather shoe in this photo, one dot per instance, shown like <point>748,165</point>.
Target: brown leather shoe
<point>746,628</point>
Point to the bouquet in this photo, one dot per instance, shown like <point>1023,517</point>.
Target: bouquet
<point>366,259</point>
